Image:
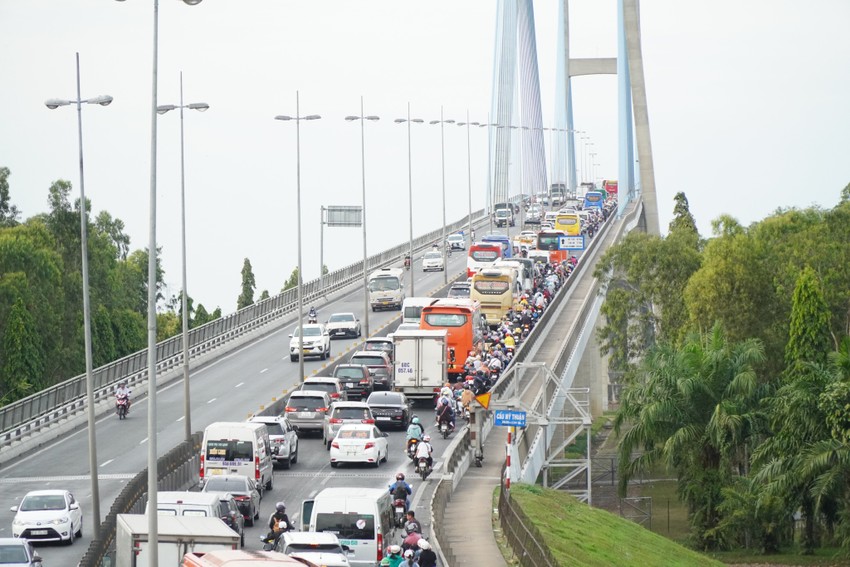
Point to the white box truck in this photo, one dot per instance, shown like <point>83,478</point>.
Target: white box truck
<point>420,362</point>
<point>177,536</point>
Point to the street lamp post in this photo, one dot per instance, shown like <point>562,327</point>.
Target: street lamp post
<point>52,104</point>
<point>298,118</point>
<point>590,164</point>
<point>469,167</point>
<point>410,120</point>
<point>362,118</point>
<point>201,107</point>
<point>442,122</point>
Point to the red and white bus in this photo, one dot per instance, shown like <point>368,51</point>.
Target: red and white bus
<point>482,255</point>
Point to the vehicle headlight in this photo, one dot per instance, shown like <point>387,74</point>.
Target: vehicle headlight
<point>17,522</point>
<point>59,521</point>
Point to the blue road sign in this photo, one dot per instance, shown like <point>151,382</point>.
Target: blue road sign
<point>571,242</point>
<point>510,418</point>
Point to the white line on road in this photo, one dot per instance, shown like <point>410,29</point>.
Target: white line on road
<point>264,370</point>
<point>143,441</point>
<point>106,463</point>
<point>181,418</point>
<point>212,400</point>
<point>327,478</point>
<point>239,384</point>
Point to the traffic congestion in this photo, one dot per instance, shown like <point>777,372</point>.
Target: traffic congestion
<point>340,476</point>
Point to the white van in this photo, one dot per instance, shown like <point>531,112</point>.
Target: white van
<point>362,519</point>
<point>411,309</point>
<point>204,504</point>
<point>386,288</point>
<point>233,447</point>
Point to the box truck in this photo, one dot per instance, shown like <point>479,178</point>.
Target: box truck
<point>420,362</point>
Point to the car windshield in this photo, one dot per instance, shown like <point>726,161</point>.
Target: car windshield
<point>455,238</point>
<point>274,428</point>
<point>320,386</point>
<point>384,347</point>
<point>338,317</point>
<point>306,403</point>
<point>445,319</point>
<point>13,554</point>
<point>225,484</point>
<point>229,450</point>
<point>349,372</point>
<point>370,360</point>
<point>351,413</point>
<point>460,291</point>
<point>347,526</point>
<point>384,284</point>
<point>385,399</point>
<point>433,256</point>
<point>309,332</point>
<point>43,502</point>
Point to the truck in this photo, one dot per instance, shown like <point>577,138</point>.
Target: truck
<point>503,214</point>
<point>178,535</point>
<point>420,362</point>
<point>558,192</point>
<point>386,288</point>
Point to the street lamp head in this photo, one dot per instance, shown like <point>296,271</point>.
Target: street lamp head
<point>461,123</point>
<point>449,121</point>
<point>434,122</point>
<point>417,120</point>
<point>55,103</point>
<point>165,108</point>
<point>474,124</point>
<point>350,118</point>
<point>282,117</point>
<point>311,117</point>
<point>192,2</point>
<point>373,118</point>
<point>102,100</point>
<point>399,120</point>
<point>199,106</point>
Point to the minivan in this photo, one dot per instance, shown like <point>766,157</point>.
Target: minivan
<point>306,409</point>
<point>232,447</point>
<point>361,518</point>
<point>355,379</point>
<point>411,309</point>
<point>379,366</point>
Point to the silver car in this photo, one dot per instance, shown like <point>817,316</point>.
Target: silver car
<point>283,437</point>
<point>244,491</point>
<point>342,413</point>
<point>343,325</point>
<point>306,409</point>
<point>16,552</point>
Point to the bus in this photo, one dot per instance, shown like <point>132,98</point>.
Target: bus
<point>503,240</point>
<point>568,223</point>
<point>464,323</point>
<point>386,288</point>
<point>482,255</point>
<point>610,187</point>
<point>594,199</point>
<point>548,240</point>
<point>495,290</point>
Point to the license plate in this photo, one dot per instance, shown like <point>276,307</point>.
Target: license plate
<point>218,471</point>
<point>305,414</point>
<point>39,532</point>
<point>383,418</point>
<point>399,509</point>
<point>349,385</point>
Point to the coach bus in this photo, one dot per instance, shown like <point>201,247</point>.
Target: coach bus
<point>482,255</point>
<point>495,289</point>
<point>464,323</point>
<point>548,240</point>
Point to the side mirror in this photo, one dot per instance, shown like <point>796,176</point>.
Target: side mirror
<point>36,558</point>
<point>74,506</point>
<point>13,509</point>
<point>290,335</point>
<point>385,434</point>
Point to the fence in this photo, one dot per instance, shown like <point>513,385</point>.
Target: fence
<point>68,397</point>
<point>176,470</point>
<point>524,539</point>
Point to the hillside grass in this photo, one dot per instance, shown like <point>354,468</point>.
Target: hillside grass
<point>577,534</point>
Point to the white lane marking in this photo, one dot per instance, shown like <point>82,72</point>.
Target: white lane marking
<point>312,494</point>
<point>264,370</point>
<point>327,478</point>
<point>212,400</point>
<point>106,463</point>
<point>181,418</point>
<point>18,480</point>
<point>143,441</point>
<point>239,385</point>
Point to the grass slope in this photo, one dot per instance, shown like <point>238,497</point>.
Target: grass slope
<point>577,534</point>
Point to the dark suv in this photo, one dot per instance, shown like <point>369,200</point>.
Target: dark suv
<point>355,379</point>
<point>379,366</point>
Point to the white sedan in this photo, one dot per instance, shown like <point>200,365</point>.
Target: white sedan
<point>48,515</point>
<point>359,443</point>
<point>433,261</point>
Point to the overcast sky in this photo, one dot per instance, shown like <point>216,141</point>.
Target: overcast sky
<point>747,102</point>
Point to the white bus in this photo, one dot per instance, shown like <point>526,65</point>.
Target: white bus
<point>386,288</point>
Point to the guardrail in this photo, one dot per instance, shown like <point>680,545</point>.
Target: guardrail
<point>176,470</point>
<point>66,398</point>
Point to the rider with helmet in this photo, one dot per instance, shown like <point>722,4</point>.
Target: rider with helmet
<point>313,316</point>
<point>401,490</point>
<point>278,523</point>
<point>415,429</point>
<point>123,391</point>
<point>424,449</point>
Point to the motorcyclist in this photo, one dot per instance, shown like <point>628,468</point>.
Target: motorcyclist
<point>393,558</point>
<point>313,316</point>
<point>407,261</point>
<point>401,490</point>
<point>414,432</point>
<point>445,411</point>
<point>412,522</point>
<point>123,391</point>
<point>278,523</point>
<point>424,449</point>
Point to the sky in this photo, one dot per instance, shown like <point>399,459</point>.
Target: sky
<point>747,108</point>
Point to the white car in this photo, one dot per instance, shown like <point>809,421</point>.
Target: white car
<point>322,548</point>
<point>359,443</point>
<point>456,242</point>
<point>343,325</point>
<point>283,438</point>
<point>317,342</point>
<point>433,261</point>
<point>48,515</point>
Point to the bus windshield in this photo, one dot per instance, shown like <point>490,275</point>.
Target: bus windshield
<point>491,287</point>
<point>384,284</point>
<point>547,241</point>
<point>446,319</point>
<point>487,255</point>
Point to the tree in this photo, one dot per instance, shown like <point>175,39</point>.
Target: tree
<point>201,317</point>
<point>683,222</point>
<point>216,314</point>
<point>130,332</point>
<point>809,336</point>
<point>23,358</point>
<point>9,213</point>
<point>102,336</point>
<point>264,295</point>
<point>249,284</point>
<point>292,281</point>
<point>114,229</point>
<point>845,193</point>
<point>168,324</point>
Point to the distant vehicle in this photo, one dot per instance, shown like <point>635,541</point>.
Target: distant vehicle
<point>359,443</point>
<point>494,289</point>
<point>568,223</point>
<point>317,342</point>
<point>433,261</point>
<point>355,379</point>
<point>343,325</point>
<point>504,215</point>
<point>48,515</point>
<point>386,288</point>
<point>229,513</point>
<point>420,365</point>
<point>482,255</point>
<point>390,409</point>
<point>176,535</point>
<point>243,489</point>
<point>610,187</point>
<point>322,548</point>
<point>534,214</point>
<point>306,409</point>
<point>503,240</point>
<point>282,436</point>
<point>237,447</point>
<point>186,503</point>
<point>459,289</point>
<point>558,193</point>
<point>595,199</point>
<point>549,242</point>
<point>456,242</point>
<point>383,344</point>
<point>465,323</point>
<point>346,413</point>
<point>379,366</point>
<point>411,310</point>
<point>17,552</point>
<point>328,384</point>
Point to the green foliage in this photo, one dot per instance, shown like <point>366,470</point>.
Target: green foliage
<point>751,519</point>
<point>22,357</point>
<point>129,331</point>
<point>9,213</point>
<point>292,281</point>
<point>683,223</point>
<point>264,295</point>
<point>103,338</point>
<point>201,317</point>
<point>168,324</point>
<point>249,284</point>
<point>809,336</point>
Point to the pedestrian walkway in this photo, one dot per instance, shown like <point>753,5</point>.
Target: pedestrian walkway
<point>468,515</point>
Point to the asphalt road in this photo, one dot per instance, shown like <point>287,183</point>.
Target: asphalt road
<point>229,389</point>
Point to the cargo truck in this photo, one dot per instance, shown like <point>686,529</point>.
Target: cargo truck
<point>420,362</point>
<point>178,535</point>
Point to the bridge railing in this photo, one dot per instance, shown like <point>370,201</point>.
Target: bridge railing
<point>61,400</point>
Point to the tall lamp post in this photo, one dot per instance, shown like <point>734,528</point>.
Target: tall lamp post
<point>52,104</point>
<point>298,118</point>
<point>362,118</point>
<point>410,120</point>
<point>590,164</point>
<point>469,167</point>
<point>442,122</point>
<point>200,107</point>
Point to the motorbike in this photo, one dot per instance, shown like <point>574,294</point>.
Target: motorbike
<point>411,448</point>
<point>407,263</point>
<point>312,318</point>
<point>121,403</point>
<point>399,508</point>
<point>445,429</point>
<point>422,468</point>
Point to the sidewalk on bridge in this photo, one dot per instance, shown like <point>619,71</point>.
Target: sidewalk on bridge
<point>468,515</point>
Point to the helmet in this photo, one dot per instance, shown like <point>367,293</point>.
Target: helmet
<point>385,561</point>
<point>122,383</point>
<point>395,549</point>
<point>409,529</point>
<point>408,554</point>
<point>426,438</point>
<point>423,544</point>
<point>399,476</point>
<point>280,507</point>
<point>415,419</point>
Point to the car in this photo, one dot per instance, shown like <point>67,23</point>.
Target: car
<point>359,443</point>
<point>283,437</point>
<point>408,327</point>
<point>456,242</point>
<point>459,289</point>
<point>322,548</point>
<point>243,489</point>
<point>433,261</point>
<point>333,387</point>
<point>383,344</point>
<point>355,379</point>
<point>48,515</point>
<point>230,515</point>
<point>317,342</point>
<point>343,325</point>
<point>16,552</point>
<point>390,409</point>
<point>526,237</point>
<point>342,413</point>
<point>306,409</point>
<point>379,365</point>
